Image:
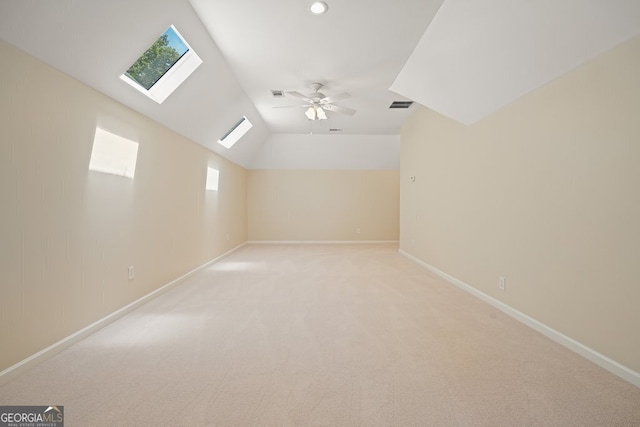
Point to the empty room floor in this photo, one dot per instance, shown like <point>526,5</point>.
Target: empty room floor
<point>322,335</point>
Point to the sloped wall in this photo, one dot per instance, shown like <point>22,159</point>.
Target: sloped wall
<point>68,235</point>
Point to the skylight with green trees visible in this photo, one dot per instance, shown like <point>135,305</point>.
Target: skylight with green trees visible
<point>158,59</point>
<point>163,67</point>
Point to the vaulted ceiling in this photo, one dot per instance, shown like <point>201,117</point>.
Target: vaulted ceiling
<point>465,59</point>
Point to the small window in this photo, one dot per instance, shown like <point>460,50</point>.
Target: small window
<point>213,175</point>
<point>235,133</point>
<point>163,67</point>
<point>113,154</point>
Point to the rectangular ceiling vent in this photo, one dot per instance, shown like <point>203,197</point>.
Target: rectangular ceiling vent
<point>335,130</point>
<point>401,104</point>
<point>277,93</point>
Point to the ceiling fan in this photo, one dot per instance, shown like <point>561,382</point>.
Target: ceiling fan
<point>318,103</point>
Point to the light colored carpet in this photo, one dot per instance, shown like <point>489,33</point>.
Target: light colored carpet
<point>325,335</point>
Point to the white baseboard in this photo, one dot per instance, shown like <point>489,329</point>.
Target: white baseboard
<point>22,366</point>
<point>599,359</point>
<point>317,242</point>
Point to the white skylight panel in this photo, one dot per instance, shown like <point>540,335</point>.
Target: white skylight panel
<point>163,67</point>
<point>235,133</point>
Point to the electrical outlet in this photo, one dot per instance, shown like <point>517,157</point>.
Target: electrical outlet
<point>502,283</point>
<point>132,273</point>
<point>357,231</point>
<point>227,236</point>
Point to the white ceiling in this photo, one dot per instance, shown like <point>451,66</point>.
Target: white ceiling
<point>478,56</point>
<point>358,47</point>
<point>95,41</point>
<point>463,58</point>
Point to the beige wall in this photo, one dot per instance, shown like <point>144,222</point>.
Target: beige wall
<point>294,205</point>
<point>545,192</point>
<point>67,235</point>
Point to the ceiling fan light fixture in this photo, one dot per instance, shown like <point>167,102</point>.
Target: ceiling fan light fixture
<point>310,113</point>
<point>317,104</point>
<point>318,7</point>
<point>316,112</point>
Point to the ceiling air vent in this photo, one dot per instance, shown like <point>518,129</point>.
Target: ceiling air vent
<point>335,130</point>
<point>277,93</point>
<point>401,104</point>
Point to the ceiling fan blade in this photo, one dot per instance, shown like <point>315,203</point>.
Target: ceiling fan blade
<point>334,98</point>
<point>299,95</point>
<point>293,106</point>
<point>339,109</point>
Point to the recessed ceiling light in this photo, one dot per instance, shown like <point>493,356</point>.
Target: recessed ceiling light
<point>318,7</point>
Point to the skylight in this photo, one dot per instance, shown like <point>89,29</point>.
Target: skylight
<point>163,67</point>
<point>236,132</point>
